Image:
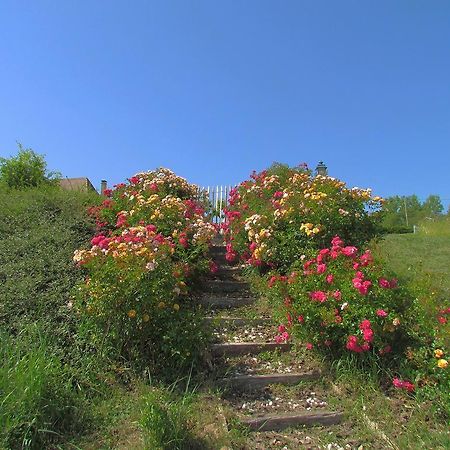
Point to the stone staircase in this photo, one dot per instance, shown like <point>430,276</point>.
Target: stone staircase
<point>266,390</point>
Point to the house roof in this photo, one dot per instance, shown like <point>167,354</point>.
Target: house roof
<point>77,184</point>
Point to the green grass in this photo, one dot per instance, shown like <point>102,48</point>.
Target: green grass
<point>419,256</point>
<point>47,372</point>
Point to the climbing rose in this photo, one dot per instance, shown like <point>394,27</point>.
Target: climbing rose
<point>400,384</point>
<point>349,251</point>
<point>381,313</point>
<point>321,268</point>
<point>319,296</point>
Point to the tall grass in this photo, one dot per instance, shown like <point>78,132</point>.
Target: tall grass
<point>438,227</point>
<point>37,399</point>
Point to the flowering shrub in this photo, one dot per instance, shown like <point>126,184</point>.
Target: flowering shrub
<point>279,213</point>
<point>152,240</point>
<point>342,300</point>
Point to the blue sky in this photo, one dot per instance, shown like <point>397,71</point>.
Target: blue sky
<point>215,89</point>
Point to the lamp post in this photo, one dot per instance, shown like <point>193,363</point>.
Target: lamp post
<point>321,169</point>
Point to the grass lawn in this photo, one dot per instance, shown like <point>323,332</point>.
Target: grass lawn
<point>419,256</point>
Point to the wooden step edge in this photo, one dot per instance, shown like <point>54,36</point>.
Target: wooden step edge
<point>238,321</point>
<point>278,422</point>
<point>243,348</point>
<point>252,382</point>
<point>225,302</point>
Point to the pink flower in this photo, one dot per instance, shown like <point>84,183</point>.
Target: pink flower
<point>281,328</point>
<point>366,258</point>
<point>337,242</point>
<point>150,228</point>
<point>289,319</point>
<point>356,266</point>
<point>273,279</point>
<point>382,282</point>
<point>324,251</point>
<point>368,335</point>
<point>183,241</point>
<point>442,319</point>
<point>385,350</point>
<point>278,194</point>
<point>253,246</point>
<point>309,346</point>
<point>287,301</point>
<point>329,278</point>
<point>352,344</point>
<point>337,294</point>
<point>349,251</point>
<point>381,313</point>
<point>213,267</point>
<point>300,319</point>
<point>321,268</point>
<point>400,384</point>
<point>134,180</point>
<point>364,324</point>
<point>319,296</point>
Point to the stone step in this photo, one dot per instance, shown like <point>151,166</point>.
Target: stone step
<point>222,302</point>
<point>278,422</point>
<point>254,382</point>
<point>220,286</point>
<point>244,348</point>
<point>238,321</point>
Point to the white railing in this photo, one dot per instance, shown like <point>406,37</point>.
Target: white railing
<point>218,197</point>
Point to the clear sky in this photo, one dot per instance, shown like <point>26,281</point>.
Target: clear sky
<point>214,89</point>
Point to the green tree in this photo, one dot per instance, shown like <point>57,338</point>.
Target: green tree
<point>26,169</point>
<point>432,206</point>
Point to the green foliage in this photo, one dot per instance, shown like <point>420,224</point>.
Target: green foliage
<point>165,420</point>
<point>27,169</point>
<point>39,230</point>
<point>49,372</point>
<point>401,213</point>
<point>37,399</point>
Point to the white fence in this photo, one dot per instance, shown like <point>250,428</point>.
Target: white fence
<point>218,197</point>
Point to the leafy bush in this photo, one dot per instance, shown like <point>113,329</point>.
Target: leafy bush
<point>283,211</point>
<point>342,300</point>
<point>152,242</point>
<point>48,372</point>
<point>27,169</point>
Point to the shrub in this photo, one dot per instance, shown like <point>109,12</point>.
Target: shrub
<point>342,300</point>
<point>27,169</point>
<point>152,242</point>
<point>282,212</point>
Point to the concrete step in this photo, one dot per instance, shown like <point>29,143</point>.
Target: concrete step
<point>244,348</point>
<point>278,422</point>
<point>254,382</point>
<point>222,286</point>
<point>223,302</point>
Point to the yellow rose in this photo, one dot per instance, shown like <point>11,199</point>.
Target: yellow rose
<point>132,313</point>
<point>145,317</point>
<point>396,322</point>
<point>176,307</point>
<point>442,363</point>
<point>161,304</point>
<point>438,353</point>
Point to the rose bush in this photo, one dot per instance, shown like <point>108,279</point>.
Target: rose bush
<point>334,298</point>
<point>342,300</point>
<point>151,244</point>
<point>281,212</point>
